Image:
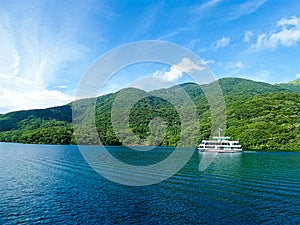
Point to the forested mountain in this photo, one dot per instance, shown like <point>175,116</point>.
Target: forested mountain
<point>260,115</point>
<point>293,86</point>
<point>295,82</point>
<point>239,86</point>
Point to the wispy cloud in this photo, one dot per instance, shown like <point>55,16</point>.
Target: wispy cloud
<point>207,5</point>
<point>35,46</point>
<point>176,71</point>
<point>251,6</point>
<point>173,33</point>
<point>246,8</point>
<point>287,34</point>
<point>193,44</point>
<point>221,43</point>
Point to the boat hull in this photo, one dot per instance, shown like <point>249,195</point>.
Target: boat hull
<point>220,151</point>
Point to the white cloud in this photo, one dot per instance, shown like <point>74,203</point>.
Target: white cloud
<point>287,34</point>
<point>19,94</point>
<point>176,71</point>
<point>208,61</point>
<point>221,43</point>
<point>248,36</point>
<point>298,75</point>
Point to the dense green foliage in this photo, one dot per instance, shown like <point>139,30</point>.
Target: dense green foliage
<point>269,121</point>
<point>36,131</point>
<point>260,115</point>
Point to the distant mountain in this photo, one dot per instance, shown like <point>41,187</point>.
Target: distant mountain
<point>292,86</point>
<point>259,114</point>
<point>295,82</point>
<point>239,86</point>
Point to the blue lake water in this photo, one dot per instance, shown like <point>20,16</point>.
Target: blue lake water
<point>54,184</point>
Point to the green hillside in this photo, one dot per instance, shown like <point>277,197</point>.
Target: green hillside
<point>295,82</point>
<point>41,126</point>
<point>269,121</point>
<point>292,86</point>
<point>239,86</point>
<point>260,115</point>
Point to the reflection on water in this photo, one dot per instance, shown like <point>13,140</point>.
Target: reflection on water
<point>220,160</point>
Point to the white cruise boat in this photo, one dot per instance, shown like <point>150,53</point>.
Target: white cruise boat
<point>220,145</point>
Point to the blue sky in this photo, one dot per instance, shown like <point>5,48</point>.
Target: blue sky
<point>46,46</point>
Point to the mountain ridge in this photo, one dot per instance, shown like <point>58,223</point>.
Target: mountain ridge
<point>293,86</point>
<point>295,82</point>
<point>53,125</point>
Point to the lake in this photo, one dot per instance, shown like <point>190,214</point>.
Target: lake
<point>53,184</point>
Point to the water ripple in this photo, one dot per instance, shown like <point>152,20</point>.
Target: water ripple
<point>53,184</point>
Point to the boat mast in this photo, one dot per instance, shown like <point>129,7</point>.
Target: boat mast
<point>220,129</point>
